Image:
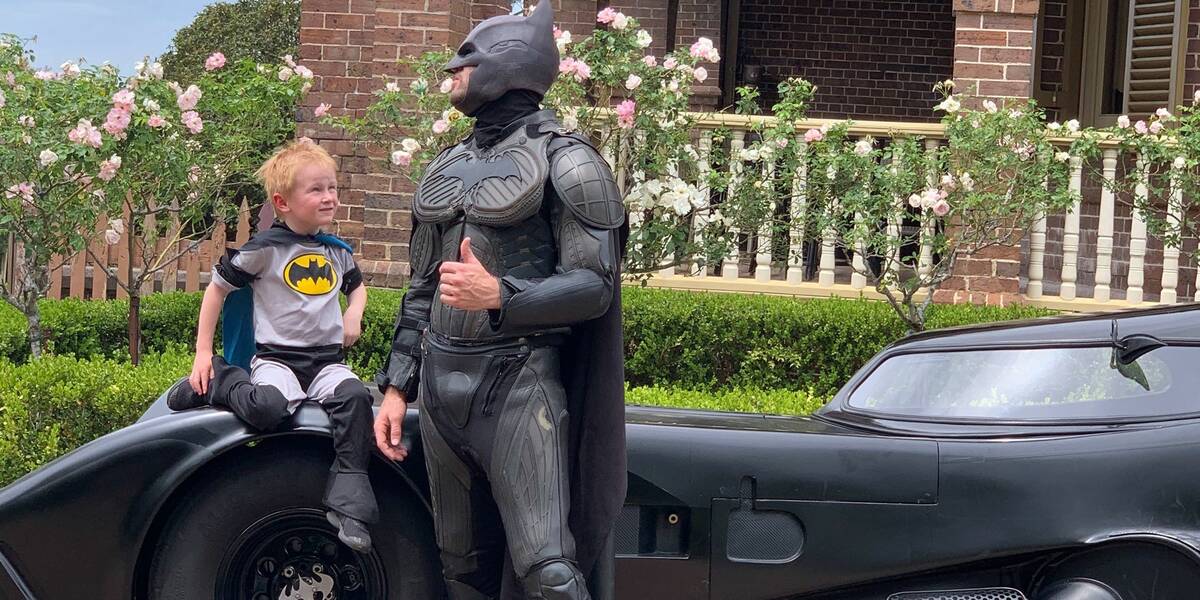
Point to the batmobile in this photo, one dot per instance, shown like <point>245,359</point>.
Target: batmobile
<point>1047,460</point>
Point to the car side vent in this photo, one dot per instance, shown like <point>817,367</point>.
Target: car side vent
<point>763,536</point>
<point>976,594</point>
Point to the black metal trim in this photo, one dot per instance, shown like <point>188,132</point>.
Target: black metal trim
<point>15,578</point>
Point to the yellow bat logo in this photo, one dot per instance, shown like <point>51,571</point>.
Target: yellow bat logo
<point>310,274</point>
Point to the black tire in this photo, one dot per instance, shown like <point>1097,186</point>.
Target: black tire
<point>236,515</point>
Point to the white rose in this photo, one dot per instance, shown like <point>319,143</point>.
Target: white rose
<point>47,158</point>
<point>643,38</point>
<point>1180,162</point>
<point>410,145</point>
<point>1123,121</point>
<point>1073,126</point>
<point>1062,156</point>
<point>620,22</point>
<point>990,106</point>
<point>633,82</point>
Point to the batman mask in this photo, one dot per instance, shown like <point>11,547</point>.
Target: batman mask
<point>509,52</point>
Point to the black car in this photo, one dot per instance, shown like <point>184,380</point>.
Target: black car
<point>1050,460</point>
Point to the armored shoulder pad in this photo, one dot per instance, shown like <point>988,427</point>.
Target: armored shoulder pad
<point>585,184</point>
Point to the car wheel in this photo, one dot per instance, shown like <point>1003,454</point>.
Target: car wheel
<point>255,528</point>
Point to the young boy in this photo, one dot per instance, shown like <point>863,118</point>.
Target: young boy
<point>299,331</point>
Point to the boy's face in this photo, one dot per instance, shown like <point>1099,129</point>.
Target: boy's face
<point>312,201</point>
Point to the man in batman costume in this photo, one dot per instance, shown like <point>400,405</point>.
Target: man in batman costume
<point>510,334</point>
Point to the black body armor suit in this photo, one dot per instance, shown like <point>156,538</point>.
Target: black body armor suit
<point>541,209</point>
<point>525,491</point>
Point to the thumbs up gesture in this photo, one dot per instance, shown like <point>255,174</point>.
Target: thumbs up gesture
<point>467,284</point>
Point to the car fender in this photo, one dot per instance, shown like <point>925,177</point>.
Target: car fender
<point>100,501</point>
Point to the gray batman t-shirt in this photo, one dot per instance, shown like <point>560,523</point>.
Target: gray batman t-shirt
<point>295,280</point>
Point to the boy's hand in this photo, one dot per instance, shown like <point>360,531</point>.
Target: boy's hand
<point>351,329</point>
<point>202,372</point>
<point>388,424</point>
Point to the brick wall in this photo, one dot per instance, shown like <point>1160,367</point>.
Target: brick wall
<point>870,59</point>
<point>695,19</point>
<point>1192,59</point>
<point>993,56</point>
<point>352,45</point>
<point>1054,48</point>
<point>993,46</point>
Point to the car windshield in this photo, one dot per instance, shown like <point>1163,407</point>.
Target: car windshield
<point>1034,384</point>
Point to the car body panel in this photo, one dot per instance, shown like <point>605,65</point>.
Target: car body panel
<point>872,504</point>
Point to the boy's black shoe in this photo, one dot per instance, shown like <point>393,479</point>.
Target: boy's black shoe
<point>351,531</point>
<point>181,396</point>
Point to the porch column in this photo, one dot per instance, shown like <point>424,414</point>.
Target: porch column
<point>993,57</point>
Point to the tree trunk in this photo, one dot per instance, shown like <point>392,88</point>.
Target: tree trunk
<point>34,283</point>
<point>135,327</point>
<point>34,317</point>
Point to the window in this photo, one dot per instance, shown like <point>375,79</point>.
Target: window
<point>1033,384</point>
<point>1098,59</point>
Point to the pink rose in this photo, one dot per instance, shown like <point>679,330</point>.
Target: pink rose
<point>813,135</point>
<point>440,126</point>
<point>700,74</point>
<point>1156,127</point>
<point>45,75</point>
<point>156,121</point>
<point>606,16</point>
<point>192,121</point>
<point>23,189</point>
<point>108,168</point>
<point>1140,127</point>
<point>117,120</point>
<point>670,63</point>
<point>85,134</point>
<point>321,110</point>
<point>188,99</point>
<point>701,48</point>
<point>941,208</point>
<point>402,158</point>
<point>124,99</point>
<point>625,112</point>
<point>650,61</point>
<point>214,62</point>
<point>781,142</point>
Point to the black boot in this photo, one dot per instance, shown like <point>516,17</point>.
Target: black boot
<point>181,396</point>
<point>351,531</point>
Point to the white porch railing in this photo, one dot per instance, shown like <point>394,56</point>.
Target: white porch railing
<point>1070,260</point>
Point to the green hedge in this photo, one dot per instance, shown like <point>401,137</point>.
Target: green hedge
<point>713,341</point>
<point>673,339</point>
<point>50,406</point>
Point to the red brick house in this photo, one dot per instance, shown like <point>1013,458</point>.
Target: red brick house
<point>872,60</point>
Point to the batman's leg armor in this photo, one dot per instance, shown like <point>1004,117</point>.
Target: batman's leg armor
<point>495,427</point>
<point>530,481</point>
<point>468,528</point>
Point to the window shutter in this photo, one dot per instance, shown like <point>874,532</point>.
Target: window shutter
<point>1153,77</point>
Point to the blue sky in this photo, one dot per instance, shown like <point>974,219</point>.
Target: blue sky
<point>119,31</point>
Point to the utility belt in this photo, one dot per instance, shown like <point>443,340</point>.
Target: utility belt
<point>465,376</point>
<point>439,342</point>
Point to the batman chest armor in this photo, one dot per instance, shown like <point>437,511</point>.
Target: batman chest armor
<point>497,186</point>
